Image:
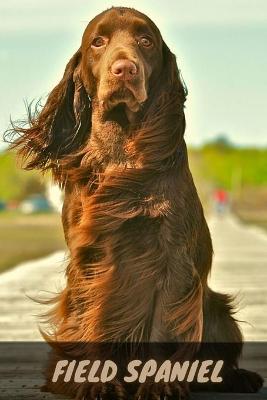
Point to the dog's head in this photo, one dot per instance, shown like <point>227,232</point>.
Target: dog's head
<point>121,54</point>
<point>123,64</point>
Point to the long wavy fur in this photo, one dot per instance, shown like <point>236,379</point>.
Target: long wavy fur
<point>115,280</point>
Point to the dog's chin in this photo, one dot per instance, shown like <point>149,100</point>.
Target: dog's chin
<point>122,96</point>
<point>120,107</point>
<point>118,115</point>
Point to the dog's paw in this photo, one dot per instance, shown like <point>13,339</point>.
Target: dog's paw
<point>242,381</point>
<point>101,391</point>
<point>162,391</point>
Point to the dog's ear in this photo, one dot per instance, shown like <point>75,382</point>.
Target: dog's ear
<point>60,127</point>
<point>160,137</point>
<point>171,77</point>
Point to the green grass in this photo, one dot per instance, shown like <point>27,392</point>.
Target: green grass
<point>25,238</point>
<point>15,183</point>
<point>230,167</point>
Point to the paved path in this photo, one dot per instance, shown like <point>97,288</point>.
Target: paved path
<point>240,266</point>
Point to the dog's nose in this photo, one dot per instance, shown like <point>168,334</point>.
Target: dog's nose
<point>124,69</point>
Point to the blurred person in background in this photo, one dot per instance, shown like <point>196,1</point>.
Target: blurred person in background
<point>221,201</point>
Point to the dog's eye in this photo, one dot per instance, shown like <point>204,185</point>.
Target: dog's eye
<point>99,41</point>
<point>145,41</point>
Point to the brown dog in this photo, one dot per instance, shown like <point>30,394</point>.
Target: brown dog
<point>140,250</point>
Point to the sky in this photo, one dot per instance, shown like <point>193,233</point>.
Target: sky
<point>220,47</point>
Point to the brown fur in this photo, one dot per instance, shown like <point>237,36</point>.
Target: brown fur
<point>140,248</point>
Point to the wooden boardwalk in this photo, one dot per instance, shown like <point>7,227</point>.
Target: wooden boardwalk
<point>240,267</point>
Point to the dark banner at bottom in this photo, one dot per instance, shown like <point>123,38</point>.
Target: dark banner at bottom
<point>118,370</point>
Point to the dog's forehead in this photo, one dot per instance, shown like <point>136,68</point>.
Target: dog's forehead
<point>120,18</point>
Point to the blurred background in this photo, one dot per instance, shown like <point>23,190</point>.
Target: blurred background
<point>221,51</point>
